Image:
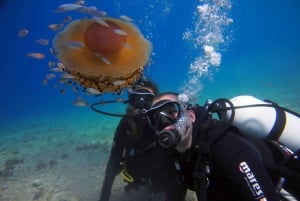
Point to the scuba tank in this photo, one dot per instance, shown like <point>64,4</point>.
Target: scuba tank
<point>261,119</point>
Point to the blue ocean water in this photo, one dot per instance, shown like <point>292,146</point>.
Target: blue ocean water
<point>254,45</point>
<point>260,57</point>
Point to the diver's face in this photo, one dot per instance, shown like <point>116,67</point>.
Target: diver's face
<point>167,113</point>
<point>141,98</point>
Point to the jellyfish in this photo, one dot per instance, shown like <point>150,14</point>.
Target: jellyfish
<point>105,54</point>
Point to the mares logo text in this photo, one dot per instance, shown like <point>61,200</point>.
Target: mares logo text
<point>251,180</point>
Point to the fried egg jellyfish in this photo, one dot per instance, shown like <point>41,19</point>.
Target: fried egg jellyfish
<point>105,54</point>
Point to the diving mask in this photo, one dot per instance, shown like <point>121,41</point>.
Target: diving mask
<point>140,98</point>
<point>165,113</point>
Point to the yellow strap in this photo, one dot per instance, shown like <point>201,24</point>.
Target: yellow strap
<point>126,176</point>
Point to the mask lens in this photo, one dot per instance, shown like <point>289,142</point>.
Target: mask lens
<point>164,115</point>
<point>140,99</point>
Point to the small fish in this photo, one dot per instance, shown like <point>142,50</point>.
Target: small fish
<point>42,41</point>
<point>80,103</point>
<point>80,2</point>
<point>101,21</point>
<point>55,27</point>
<point>23,32</point>
<point>75,45</point>
<point>57,69</point>
<point>36,55</point>
<point>67,76</point>
<point>93,91</point>
<point>51,64</point>
<point>63,81</point>
<point>118,82</point>
<point>126,18</point>
<point>103,59</point>
<point>67,19</point>
<point>50,76</point>
<point>93,11</point>
<point>53,52</point>
<point>88,9</point>
<point>52,26</point>
<point>61,65</point>
<point>69,82</point>
<point>68,7</point>
<point>120,32</point>
<point>75,89</point>
<point>62,91</point>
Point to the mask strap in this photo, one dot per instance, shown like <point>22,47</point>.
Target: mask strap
<point>101,103</point>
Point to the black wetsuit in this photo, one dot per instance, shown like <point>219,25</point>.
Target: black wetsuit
<point>237,170</point>
<point>148,163</point>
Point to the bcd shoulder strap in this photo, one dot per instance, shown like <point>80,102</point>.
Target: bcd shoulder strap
<point>209,132</point>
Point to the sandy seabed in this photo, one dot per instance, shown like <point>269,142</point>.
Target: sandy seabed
<point>59,159</point>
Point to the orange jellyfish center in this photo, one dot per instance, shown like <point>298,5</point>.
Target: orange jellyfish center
<point>104,39</point>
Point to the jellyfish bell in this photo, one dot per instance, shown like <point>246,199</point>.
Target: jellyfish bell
<point>103,39</point>
<point>107,55</point>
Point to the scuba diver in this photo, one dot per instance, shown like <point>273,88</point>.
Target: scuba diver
<point>215,159</point>
<point>137,156</point>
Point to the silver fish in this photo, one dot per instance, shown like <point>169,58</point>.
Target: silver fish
<point>93,91</point>
<point>51,64</point>
<point>55,27</point>
<point>93,11</point>
<point>60,65</point>
<point>75,45</point>
<point>42,41</point>
<point>53,52</point>
<point>79,102</point>
<point>120,32</point>
<point>103,59</point>
<point>68,7</point>
<point>118,82</point>
<point>75,89</point>
<point>80,2</point>
<point>23,32</point>
<point>57,69</point>
<point>62,91</point>
<point>67,19</point>
<point>36,55</point>
<point>126,18</point>
<point>67,76</point>
<point>101,21</point>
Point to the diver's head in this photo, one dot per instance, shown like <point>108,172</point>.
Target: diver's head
<point>172,121</point>
<point>142,94</point>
